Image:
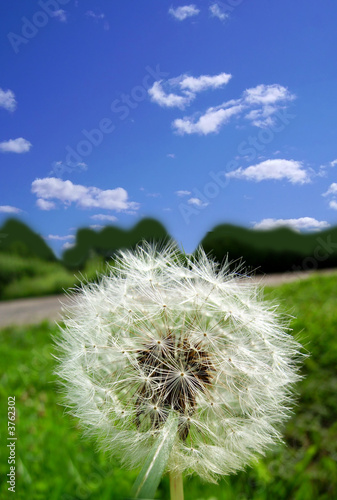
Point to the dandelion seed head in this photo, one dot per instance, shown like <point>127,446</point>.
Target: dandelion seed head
<point>162,334</point>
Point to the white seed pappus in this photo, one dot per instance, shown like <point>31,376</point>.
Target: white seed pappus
<point>165,333</point>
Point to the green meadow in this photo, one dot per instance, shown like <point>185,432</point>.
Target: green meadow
<point>32,277</point>
<point>54,460</point>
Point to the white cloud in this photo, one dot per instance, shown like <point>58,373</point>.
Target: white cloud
<point>68,245</point>
<point>305,223</point>
<point>322,172</point>
<point>217,12</point>
<point>333,204</point>
<point>262,117</point>
<point>183,12</point>
<point>7,209</point>
<point>51,188</point>
<point>171,100</point>
<point>96,226</point>
<point>95,16</point>
<point>267,94</point>
<point>150,195</point>
<point>60,238</point>
<point>204,82</point>
<point>188,85</point>
<point>171,155</point>
<point>45,204</point>
<point>210,122</point>
<point>332,189</point>
<point>277,169</point>
<point>269,99</point>
<point>261,104</point>
<point>7,100</point>
<point>61,15</point>
<point>60,167</point>
<point>110,218</point>
<point>197,202</point>
<point>19,145</point>
<point>182,192</point>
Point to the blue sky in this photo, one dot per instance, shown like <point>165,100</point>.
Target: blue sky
<point>193,113</point>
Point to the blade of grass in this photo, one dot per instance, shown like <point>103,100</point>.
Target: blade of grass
<point>149,477</point>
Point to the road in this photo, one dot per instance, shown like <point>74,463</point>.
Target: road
<point>37,309</point>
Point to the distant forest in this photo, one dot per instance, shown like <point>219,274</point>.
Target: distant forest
<point>266,251</point>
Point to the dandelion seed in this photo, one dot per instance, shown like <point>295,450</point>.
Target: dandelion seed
<point>183,337</point>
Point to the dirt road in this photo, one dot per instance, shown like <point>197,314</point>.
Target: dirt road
<point>35,310</point>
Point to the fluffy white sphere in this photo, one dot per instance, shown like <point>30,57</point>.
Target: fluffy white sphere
<point>164,333</point>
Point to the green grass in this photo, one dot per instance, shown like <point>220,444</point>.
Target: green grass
<point>55,462</point>
<point>31,277</point>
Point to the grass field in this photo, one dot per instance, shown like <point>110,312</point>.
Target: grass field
<point>31,277</point>
<point>55,462</point>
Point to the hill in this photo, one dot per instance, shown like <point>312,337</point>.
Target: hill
<point>104,243</point>
<point>276,250</point>
<point>19,239</point>
<point>28,267</point>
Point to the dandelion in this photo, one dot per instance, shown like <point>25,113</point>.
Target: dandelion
<point>166,335</point>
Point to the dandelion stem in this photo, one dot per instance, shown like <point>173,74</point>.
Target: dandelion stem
<point>176,486</point>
